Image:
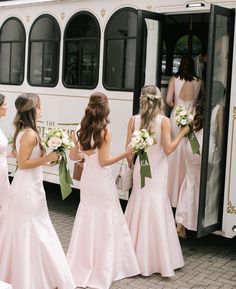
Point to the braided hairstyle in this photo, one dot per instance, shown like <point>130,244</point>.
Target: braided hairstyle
<point>26,115</point>
<point>94,122</point>
<point>151,104</point>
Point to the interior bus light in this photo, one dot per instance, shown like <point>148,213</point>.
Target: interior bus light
<point>234,228</point>
<point>194,5</point>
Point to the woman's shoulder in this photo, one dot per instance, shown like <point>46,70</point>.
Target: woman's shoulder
<point>28,135</point>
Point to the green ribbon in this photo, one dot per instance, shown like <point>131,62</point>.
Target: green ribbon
<point>194,142</point>
<point>145,169</point>
<point>64,176</point>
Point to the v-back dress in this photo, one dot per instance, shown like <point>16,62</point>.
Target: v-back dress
<point>176,160</point>
<point>100,249</point>
<point>149,215</point>
<point>32,257</point>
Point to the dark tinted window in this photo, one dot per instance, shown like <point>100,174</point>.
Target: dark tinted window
<point>12,52</point>
<point>81,57</point>
<point>120,47</point>
<point>44,46</point>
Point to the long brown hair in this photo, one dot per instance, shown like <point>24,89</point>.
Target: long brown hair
<point>94,122</point>
<point>199,114</point>
<point>151,104</point>
<point>2,99</point>
<point>186,69</point>
<point>26,115</point>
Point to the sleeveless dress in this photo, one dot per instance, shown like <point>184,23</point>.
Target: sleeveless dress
<point>4,187</point>
<point>4,181</point>
<point>187,207</point>
<point>176,160</point>
<point>32,254</point>
<point>100,249</point>
<point>149,215</point>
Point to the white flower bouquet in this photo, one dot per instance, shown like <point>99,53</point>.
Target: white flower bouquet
<point>57,140</point>
<point>182,118</point>
<point>141,141</point>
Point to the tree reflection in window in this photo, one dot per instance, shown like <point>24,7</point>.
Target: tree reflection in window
<point>81,56</point>
<point>44,47</point>
<point>12,52</point>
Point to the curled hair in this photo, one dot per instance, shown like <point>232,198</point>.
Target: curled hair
<point>199,114</point>
<point>151,104</point>
<point>26,115</point>
<point>94,122</point>
<point>2,99</point>
<point>186,69</point>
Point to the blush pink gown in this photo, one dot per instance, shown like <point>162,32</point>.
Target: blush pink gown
<point>4,181</point>
<point>100,249</point>
<point>176,160</point>
<point>32,254</point>
<point>150,218</point>
<point>187,207</point>
<point>4,185</point>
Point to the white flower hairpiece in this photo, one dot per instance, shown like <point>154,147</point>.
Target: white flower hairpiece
<point>153,96</point>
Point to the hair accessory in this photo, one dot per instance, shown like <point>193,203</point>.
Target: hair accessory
<point>154,96</point>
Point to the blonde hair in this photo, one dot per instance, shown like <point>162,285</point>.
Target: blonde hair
<point>151,104</point>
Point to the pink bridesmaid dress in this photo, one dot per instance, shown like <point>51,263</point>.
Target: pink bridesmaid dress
<point>4,181</point>
<point>100,249</point>
<point>32,256</point>
<point>187,208</point>
<point>176,160</point>
<point>150,218</point>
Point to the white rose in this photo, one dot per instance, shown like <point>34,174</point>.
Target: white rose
<point>54,142</point>
<point>182,113</point>
<point>183,122</point>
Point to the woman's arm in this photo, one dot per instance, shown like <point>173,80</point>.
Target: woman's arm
<point>171,92</point>
<point>130,130</point>
<point>169,145</point>
<point>75,153</point>
<point>27,142</point>
<point>104,151</point>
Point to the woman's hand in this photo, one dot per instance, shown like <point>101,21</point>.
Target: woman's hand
<point>129,150</point>
<point>185,130</point>
<point>53,157</point>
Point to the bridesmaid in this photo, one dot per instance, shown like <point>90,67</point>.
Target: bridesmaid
<point>32,256</point>
<point>187,207</point>
<point>4,181</point>
<point>182,90</point>
<point>148,213</point>
<point>100,249</point>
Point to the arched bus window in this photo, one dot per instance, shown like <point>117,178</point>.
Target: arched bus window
<point>81,51</point>
<point>119,50</point>
<point>44,47</point>
<point>182,48</point>
<point>12,52</point>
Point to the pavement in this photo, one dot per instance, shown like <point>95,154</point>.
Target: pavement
<point>210,262</point>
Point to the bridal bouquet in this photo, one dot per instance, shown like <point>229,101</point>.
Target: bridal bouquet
<point>141,141</point>
<point>57,140</point>
<point>182,118</point>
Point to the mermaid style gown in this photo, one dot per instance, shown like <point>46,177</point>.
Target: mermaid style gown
<point>150,218</point>
<point>32,256</point>
<point>100,249</point>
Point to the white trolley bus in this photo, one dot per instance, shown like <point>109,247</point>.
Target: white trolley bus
<point>64,50</point>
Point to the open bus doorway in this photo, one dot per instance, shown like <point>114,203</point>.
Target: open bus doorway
<point>156,62</point>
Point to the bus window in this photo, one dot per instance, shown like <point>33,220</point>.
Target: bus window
<point>81,57</point>
<point>119,50</point>
<point>44,46</point>
<point>12,52</point>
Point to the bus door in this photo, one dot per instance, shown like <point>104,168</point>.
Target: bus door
<point>148,53</point>
<point>218,83</point>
